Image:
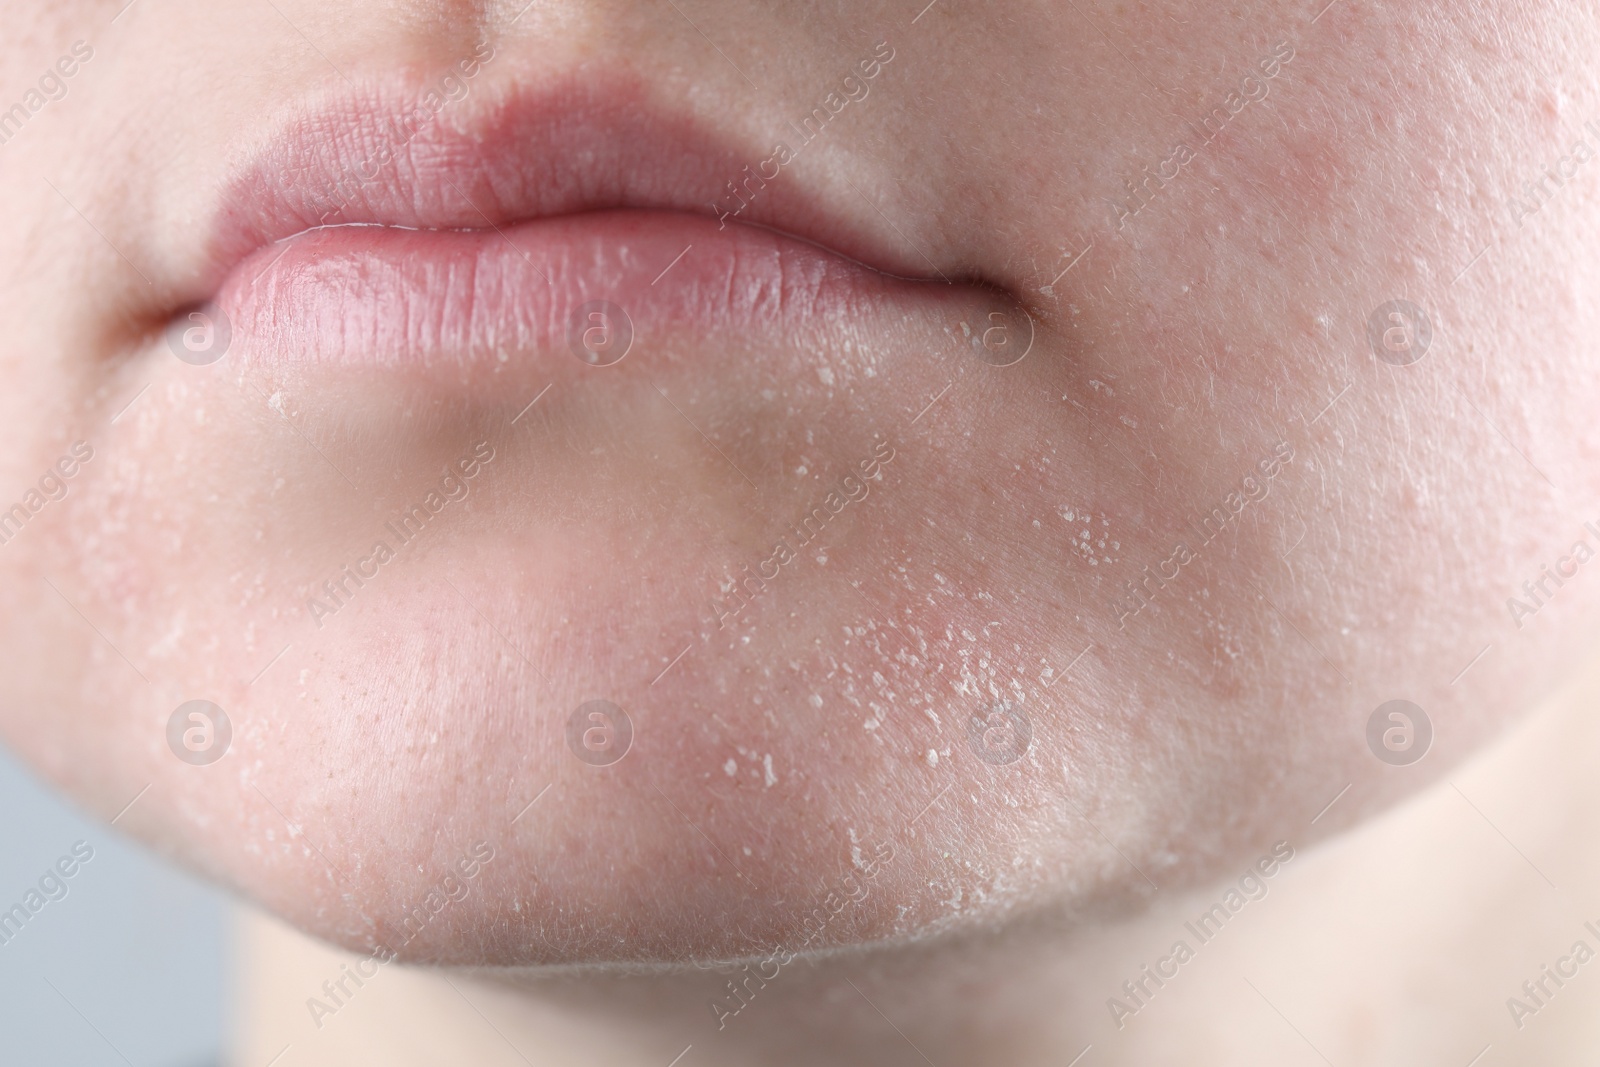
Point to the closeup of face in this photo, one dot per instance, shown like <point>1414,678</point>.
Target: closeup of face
<point>636,469</point>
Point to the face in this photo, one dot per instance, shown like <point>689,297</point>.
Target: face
<point>655,465</point>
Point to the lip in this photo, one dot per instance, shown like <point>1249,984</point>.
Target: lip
<point>561,146</point>
<point>418,300</point>
<point>487,229</point>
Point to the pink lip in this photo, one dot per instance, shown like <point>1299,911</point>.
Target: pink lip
<point>488,230</point>
<point>409,299</point>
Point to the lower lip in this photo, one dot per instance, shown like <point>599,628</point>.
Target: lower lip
<point>451,300</point>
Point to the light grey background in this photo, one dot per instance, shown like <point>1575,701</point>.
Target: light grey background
<point>137,950</point>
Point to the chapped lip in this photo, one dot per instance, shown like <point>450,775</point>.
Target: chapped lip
<point>569,144</point>
<point>346,240</point>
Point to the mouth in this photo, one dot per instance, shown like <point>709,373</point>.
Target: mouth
<point>732,399</point>
<point>576,216</point>
<point>763,429</point>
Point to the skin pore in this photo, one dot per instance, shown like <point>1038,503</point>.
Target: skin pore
<point>1006,667</point>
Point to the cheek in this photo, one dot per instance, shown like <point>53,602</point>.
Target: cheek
<point>1420,496</point>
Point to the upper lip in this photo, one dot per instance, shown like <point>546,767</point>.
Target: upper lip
<point>510,153</point>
